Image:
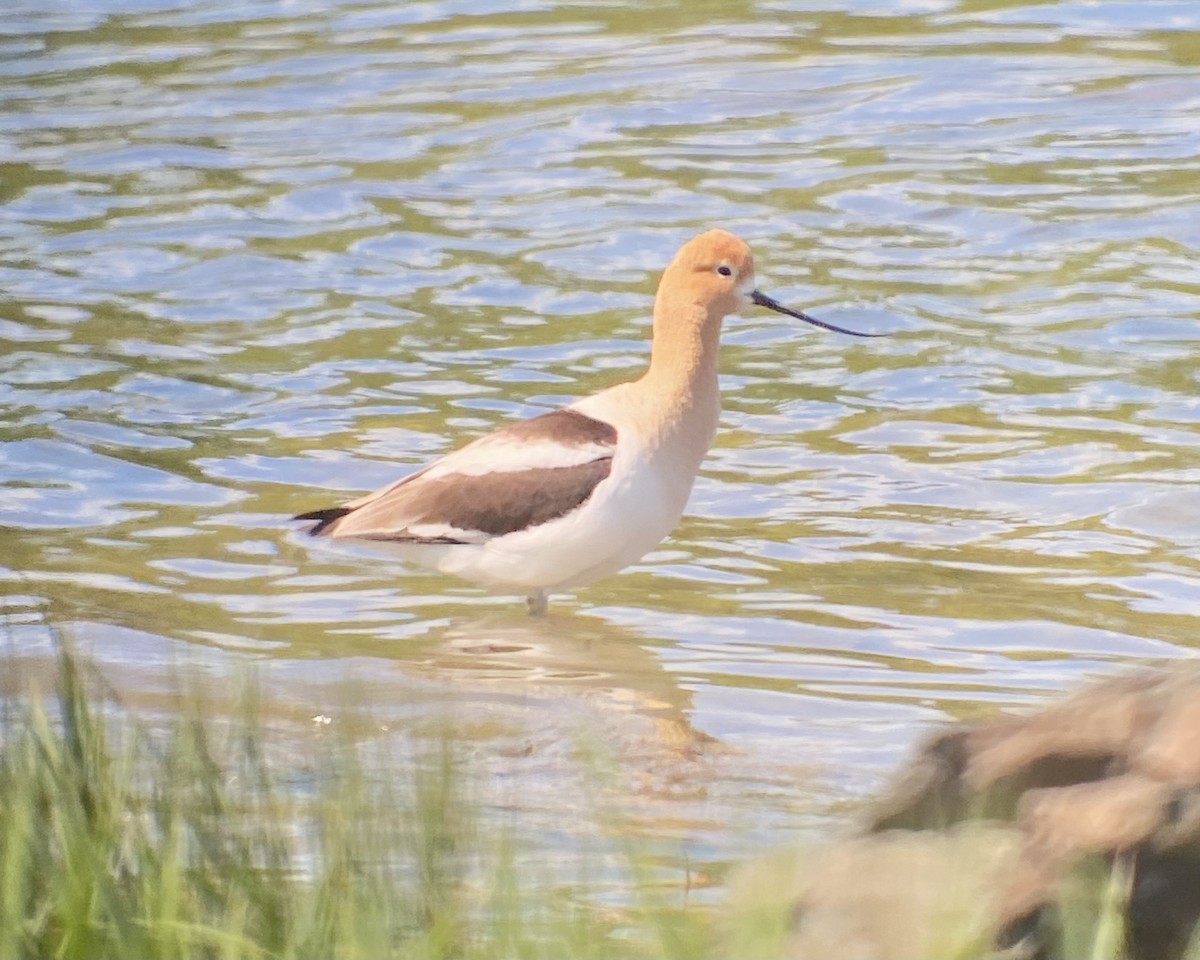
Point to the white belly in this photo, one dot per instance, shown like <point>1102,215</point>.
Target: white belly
<point>630,513</point>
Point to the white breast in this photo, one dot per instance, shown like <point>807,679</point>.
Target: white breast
<point>630,512</point>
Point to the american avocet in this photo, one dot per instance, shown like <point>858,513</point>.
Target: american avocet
<point>564,498</point>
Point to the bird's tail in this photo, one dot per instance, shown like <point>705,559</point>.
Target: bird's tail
<point>325,518</point>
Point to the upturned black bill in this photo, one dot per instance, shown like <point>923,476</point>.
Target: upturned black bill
<point>764,301</point>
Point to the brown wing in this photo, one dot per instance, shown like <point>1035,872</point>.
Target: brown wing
<point>521,476</point>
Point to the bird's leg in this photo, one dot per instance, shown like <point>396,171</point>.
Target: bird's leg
<point>537,603</point>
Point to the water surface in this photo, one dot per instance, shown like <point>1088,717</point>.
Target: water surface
<point>258,257</point>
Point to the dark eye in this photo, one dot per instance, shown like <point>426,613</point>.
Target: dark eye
<point>725,271</point>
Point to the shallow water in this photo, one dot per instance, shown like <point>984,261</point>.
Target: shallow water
<point>258,257</point>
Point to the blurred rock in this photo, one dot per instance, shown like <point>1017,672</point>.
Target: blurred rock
<point>1022,836</point>
<point>900,895</point>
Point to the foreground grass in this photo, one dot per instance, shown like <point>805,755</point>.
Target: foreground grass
<point>123,840</point>
<point>118,840</point>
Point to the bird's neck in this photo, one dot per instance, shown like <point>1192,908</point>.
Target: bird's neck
<point>684,352</point>
<point>680,389</point>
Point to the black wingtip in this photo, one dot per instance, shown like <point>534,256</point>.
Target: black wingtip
<point>324,518</point>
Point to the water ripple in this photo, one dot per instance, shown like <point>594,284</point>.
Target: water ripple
<point>256,256</point>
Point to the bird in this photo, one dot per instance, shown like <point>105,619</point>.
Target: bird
<point>564,498</point>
